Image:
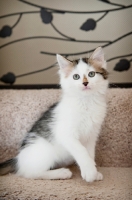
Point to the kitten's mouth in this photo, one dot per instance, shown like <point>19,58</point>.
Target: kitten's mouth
<point>86,88</point>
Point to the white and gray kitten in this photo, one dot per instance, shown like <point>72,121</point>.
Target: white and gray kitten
<point>67,132</point>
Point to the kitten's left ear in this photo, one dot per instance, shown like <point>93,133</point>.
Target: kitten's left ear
<point>98,56</point>
<point>65,65</point>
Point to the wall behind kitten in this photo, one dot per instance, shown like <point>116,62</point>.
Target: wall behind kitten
<point>30,36</point>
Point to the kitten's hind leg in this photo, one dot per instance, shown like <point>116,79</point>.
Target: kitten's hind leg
<point>37,158</point>
<point>61,173</point>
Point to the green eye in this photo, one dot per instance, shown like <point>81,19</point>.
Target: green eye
<point>76,76</point>
<point>91,74</point>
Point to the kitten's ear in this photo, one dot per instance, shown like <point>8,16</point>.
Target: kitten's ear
<point>98,56</point>
<point>63,62</point>
<point>65,65</point>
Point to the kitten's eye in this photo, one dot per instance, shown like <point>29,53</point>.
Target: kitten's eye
<point>76,76</point>
<point>91,74</point>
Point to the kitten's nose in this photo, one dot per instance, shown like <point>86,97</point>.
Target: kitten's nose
<point>85,83</point>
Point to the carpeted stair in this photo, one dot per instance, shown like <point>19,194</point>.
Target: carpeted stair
<point>19,109</point>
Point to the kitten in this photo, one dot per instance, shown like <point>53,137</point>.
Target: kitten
<point>67,132</point>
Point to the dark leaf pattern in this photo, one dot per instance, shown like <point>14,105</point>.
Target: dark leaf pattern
<point>122,65</point>
<point>8,78</point>
<point>46,16</point>
<point>6,31</point>
<point>104,0</point>
<point>90,24</point>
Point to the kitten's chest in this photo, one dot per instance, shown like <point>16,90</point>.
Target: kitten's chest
<point>85,119</point>
<point>90,115</point>
<point>81,117</point>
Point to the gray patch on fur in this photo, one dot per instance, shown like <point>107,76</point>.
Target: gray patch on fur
<point>85,60</point>
<point>29,139</point>
<point>41,128</point>
<point>8,166</point>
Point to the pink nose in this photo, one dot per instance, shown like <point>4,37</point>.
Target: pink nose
<point>85,83</point>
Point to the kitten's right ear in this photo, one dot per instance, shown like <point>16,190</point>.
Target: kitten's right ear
<point>98,57</point>
<point>98,54</point>
<point>65,65</point>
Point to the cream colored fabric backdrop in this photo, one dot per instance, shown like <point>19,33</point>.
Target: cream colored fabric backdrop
<point>23,57</point>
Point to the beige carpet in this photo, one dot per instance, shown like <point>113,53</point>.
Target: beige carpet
<point>19,109</point>
<point>117,185</point>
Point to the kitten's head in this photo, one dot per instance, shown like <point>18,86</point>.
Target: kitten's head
<point>84,75</point>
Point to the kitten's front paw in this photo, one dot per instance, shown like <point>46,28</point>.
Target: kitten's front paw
<point>99,176</point>
<point>89,174</point>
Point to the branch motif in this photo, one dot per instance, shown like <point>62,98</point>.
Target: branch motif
<point>53,38</point>
<point>74,12</point>
<point>115,4</point>
<point>46,15</point>
<point>20,16</point>
<point>70,39</point>
<point>89,51</point>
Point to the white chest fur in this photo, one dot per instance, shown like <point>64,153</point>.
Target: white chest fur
<point>81,116</point>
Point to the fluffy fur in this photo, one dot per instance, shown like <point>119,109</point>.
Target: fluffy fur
<point>68,131</point>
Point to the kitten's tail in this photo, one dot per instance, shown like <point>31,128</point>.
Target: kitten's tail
<point>8,166</point>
